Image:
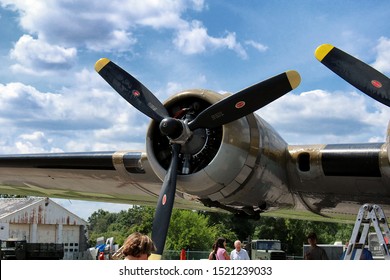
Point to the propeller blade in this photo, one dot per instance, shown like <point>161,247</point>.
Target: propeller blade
<point>356,72</point>
<point>164,205</point>
<point>131,89</point>
<point>246,101</point>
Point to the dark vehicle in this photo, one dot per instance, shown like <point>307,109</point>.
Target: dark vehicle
<point>21,250</point>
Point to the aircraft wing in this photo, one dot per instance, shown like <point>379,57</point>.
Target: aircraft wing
<point>253,172</point>
<point>319,182</point>
<point>334,180</point>
<point>118,177</point>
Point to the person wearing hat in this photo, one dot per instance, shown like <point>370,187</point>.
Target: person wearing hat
<point>314,252</point>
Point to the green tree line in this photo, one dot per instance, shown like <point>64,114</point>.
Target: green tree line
<point>197,230</point>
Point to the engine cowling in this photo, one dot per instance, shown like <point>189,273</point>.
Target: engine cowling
<point>223,163</point>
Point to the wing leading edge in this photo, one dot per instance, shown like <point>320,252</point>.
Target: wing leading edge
<point>328,182</point>
<point>335,180</point>
<point>119,177</point>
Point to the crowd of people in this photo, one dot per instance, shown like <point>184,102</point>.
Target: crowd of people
<point>139,247</point>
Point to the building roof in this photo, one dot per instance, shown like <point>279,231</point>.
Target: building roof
<point>40,210</point>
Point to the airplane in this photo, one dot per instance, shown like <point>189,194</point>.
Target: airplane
<point>212,152</point>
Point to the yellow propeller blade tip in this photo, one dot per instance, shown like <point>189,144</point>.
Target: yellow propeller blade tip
<point>322,51</point>
<point>101,63</point>
<point>294,78</point>
<point>154,257</point>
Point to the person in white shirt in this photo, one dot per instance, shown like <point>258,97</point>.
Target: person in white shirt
<point>239,253</point>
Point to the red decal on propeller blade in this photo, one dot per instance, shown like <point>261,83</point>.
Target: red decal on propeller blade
<point>240,104</point>
<point>376,83</point>
<point>164,199</point>
<point>136,93</point>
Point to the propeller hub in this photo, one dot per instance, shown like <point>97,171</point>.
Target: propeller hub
<point>171,127</point>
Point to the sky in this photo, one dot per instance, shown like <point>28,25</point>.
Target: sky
<point>52,100</point>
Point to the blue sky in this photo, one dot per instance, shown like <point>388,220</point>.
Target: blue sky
<point>51,99</point>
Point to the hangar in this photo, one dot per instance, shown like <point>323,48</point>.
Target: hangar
<point>41,220</point>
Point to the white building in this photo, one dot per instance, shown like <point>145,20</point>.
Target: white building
<point>41,220</point>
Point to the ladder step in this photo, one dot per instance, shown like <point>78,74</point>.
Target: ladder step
<point>368,216</point>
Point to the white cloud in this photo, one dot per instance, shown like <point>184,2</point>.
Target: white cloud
<point>36,57</point>
<point>93,24</point>
<point>382,62</point>
<point>110,26</point>
<point>85,117</point>
<point>172,88</point>
<point>323,117</point>
<point>197,5</point>
<point>258,46</point>
<point>91,116</point>
<point>36,142</point>
<point>194,39</point>
<point>118,40</point>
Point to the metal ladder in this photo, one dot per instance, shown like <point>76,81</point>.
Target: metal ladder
<point>368,215</point>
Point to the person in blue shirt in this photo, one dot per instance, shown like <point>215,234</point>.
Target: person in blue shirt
<point>366,254</point>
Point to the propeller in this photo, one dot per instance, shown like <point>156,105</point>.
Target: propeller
<point>131,89</point>
<point>246,101</point>
<point>356,72</point>
<point>165,205</point>
<point>179,131</point>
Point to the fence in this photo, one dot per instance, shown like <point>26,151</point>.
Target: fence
<point>199,255</point>
<point>190,255</point>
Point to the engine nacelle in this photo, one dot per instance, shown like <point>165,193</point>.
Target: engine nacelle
<point>221,164</point>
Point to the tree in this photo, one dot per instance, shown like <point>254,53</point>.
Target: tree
<point>189,230</point>
<point>231,227</point>
<point>293,233</point>
<point>99,220</point>
<point>198,230</point>
<point>141,219</point>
